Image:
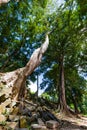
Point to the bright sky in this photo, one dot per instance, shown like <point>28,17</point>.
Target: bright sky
<point>33,86</point>
<point>60,1</point>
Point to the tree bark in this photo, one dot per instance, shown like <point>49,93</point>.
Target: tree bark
<point>62,99</point>
<point>17,79</point>
<point>75,104</point>
<point>37,92</point>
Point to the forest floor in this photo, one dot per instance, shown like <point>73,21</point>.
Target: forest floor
<point>30,111</point>
<point>72,123</point>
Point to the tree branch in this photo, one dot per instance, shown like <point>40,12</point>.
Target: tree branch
<point>36,57</point>
<point>4,1</point>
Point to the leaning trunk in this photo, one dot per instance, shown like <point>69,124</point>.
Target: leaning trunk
<point>16,80</point>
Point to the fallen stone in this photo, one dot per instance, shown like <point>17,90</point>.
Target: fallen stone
<point>25,111</point>
<point>12,125</point>
<point>2,128</point>
<point>15,111</point>
<point>13,103</point>
<point>2,98</point>
<point>13,118</point>
<point>52,124</point>
<point>2,118</point>
<point>5,91</point>
<point>38,127</point>
<point>33,118</point>
<point>40,122</point>
<point>2,109</point>
<point>23,122</point>
<point>8,110</point>
<point>21,129</point>
<point>6,103</point>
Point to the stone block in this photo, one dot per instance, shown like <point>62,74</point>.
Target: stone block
<point>15,110</point>
<point>52,124</point>
<point>12,125</point>
<point>40,122</point>
<point>38,127</point>
<point>21,129</point>
<point>13,118</point>
<point>23,122</point>
<point>6,103</point>
<point>2,109</point>
<point>2,118</point>
<point>2,128</point>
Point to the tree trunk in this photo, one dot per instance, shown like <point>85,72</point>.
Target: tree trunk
<point>62,99</point>
<point>4,1</point>
<point>37,85</point>
<point>17,79</point>
<point>75,104</point>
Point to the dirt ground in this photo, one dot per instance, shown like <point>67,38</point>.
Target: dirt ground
<point>68,123</point>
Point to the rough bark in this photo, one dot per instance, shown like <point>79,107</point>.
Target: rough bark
<point>17,79</point>
<point>37,92</point>
<point>75,104</point>
<point>62,99</point>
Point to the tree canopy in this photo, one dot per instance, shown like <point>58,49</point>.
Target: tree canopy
<point>23,25</point>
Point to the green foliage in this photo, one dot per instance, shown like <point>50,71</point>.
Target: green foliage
<point>46,96</point>
<point>52,97</point>
<point>68,40</point>
<point>82,7</point>
<point>20,25</point>
<point>3,123</point>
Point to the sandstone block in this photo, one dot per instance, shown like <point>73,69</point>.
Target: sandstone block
<point>2,109</point>
<point>23,122</point>
<point>52,124</point>
<point>12,125</point>
<point>21,129</point>
<point>2,128</point>
<point>40,122</point>
<point>37,127</point>
<point>15,110</point>
<point>13,118</point>
<point>2,118</point>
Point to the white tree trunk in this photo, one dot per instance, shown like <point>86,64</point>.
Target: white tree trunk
<point>4,1</point>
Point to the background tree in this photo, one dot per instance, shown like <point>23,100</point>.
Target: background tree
<point>65,62</point>
<point>65,50</point>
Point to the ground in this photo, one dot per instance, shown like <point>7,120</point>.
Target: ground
<point>68,123</point>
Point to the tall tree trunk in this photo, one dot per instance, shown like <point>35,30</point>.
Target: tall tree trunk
<point>62,98</point>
